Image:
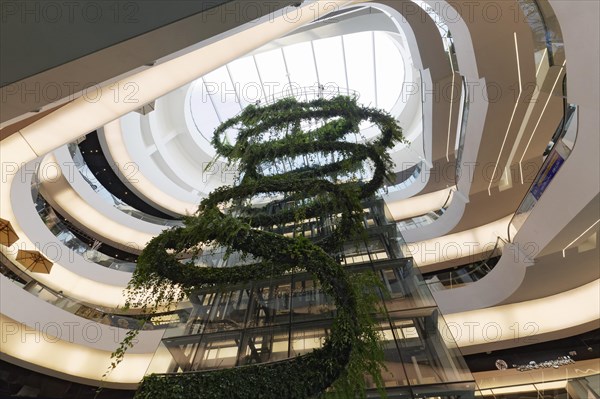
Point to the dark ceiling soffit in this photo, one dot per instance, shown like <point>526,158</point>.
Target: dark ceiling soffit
<point>125,54</point>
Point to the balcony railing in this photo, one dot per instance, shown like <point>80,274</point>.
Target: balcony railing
<point>107,316</point>
<point>467,274</point>
<point>107,196</point>
<point>555,158</point>
<point>64,234</point>
<point>545,29</point>
<point>427,218</point>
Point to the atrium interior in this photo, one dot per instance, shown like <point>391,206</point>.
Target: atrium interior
<point>484,240</point>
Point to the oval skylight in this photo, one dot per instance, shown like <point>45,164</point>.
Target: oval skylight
<point>366,64</point>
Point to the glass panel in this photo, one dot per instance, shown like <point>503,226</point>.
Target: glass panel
<point>272,72</point>
<point>216,351</point>
<point>63,233</point>
<point>405,286</point>
<point>270,303</point>
<point>223,96</point>
<point>394,375</point>
<point>427,358</point>
<point>300,63</point>
<point>309,302</point>
<point>162,361</point>
<point>359,64</point>
<point>330,62</point>
<point>306,337</point>
<point>265,345</point>
<point>245,77</point>
<point>202,113</point>
<point>228,311</point>
<point>389,67</point>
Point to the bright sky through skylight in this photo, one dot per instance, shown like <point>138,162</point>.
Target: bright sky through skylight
<point>368,63</point>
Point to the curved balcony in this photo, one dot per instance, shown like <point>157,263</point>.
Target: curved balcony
<point>162,320</point>
<point>558,152</point>
<point>107,196</point>
<point>463,275</point>
<point>66,236</point>
<point>545,29</point>
<point>70,194</point>
<point>426,218</point>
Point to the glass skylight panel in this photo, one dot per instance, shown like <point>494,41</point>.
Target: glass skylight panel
<point>220,88</point>
<point>203,115</point>
<point>389,68</point>
<point>368,63</point>
<point>359,64</point>
<point>330,62</point>
<point>245,77</point>
<point>301,64</point>
<point>272,72</point>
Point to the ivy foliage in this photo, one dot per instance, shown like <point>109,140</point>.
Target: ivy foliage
<point>267,137</point>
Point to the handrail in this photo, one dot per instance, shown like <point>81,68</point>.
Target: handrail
<point>474,271</point>
<point>463,129</point>
<point>70,240</point>
<point>448,199</point>
<point>433,215</point>
<point>568,110</point>
<point>98,314</point>
<point>405,183</point>
<point>546,35</point>
<point>527,203</point>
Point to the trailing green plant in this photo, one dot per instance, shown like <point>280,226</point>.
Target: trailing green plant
<point>270,137</point>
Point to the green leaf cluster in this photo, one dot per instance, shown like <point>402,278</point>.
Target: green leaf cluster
<point>226,218</point>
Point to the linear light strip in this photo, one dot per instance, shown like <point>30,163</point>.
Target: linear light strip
<point>578,237</point>
<point>541,62</point>
<point>527,117</point>
<point>536,97</point>
<point>511,117</point>
<point>451,106</point>
<point>542,113</point>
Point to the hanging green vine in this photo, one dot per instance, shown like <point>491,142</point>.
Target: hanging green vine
<point>291,133</point>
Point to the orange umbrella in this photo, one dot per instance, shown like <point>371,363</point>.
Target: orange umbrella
<point>7,234</point>
<point>34,261</point>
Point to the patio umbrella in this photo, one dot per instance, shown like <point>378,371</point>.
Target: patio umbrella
<point>7,234</point>
<point>34,261</point>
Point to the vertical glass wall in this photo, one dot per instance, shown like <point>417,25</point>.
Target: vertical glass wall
<point>283,317</point>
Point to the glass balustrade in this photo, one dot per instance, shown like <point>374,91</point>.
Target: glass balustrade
<point>545,29</point>
<point>427,218</point>
<point>403,184</point>
<point>556,157</point>
<point>100,315</point>
<point>460,276</point>
<point>462,128</point>
<point>74,243</point>
<point>108,197</point>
